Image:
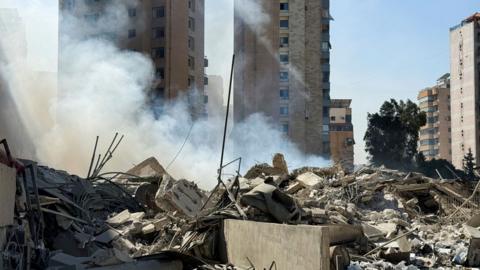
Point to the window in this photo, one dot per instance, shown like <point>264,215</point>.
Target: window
<point>283,42</point>
<point>284,6</point>
<point>191,62</point>
<point>191,23</point>
<point>158,32</point>
<point>326,77</point>
<point>325,13</point>
<point>284,76</point>
<point>284,94</point>
<point>325,46</point>
<point>332,118</point>
<point>325,28</point>
<point>285,127</point>
<point>160,73</point>
<point>348,118</point>
<point>284,58</point>
<point>283,23</point>
<point>159,12</point>
<point>191,43</point>
<point>283,111</point>
<point>324,60</point>
<point>158,52</point>
<point>191,5</point>
<point>132,12</point>
<point>132,33</point>
<point>191,81</point>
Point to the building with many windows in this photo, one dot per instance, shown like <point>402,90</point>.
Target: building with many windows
<point>171,32</point>
<point>465,89</point>
<point>341,134</point>
<point>435,140</point>
<point>283,69</point>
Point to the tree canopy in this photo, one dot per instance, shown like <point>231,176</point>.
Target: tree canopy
<point>392,134</point>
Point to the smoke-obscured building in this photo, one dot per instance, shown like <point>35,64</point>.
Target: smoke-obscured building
<point>283,68</point>
<point>341,134</point>
<point>13,48</point>
<point>435,140</point>
<point>214,91</point>
<point>171,32</point>
<point>465,88</point>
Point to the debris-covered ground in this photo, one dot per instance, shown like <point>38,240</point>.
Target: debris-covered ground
<point>143,218</point>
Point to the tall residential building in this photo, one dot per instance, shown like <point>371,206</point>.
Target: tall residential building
<point>171,32</point>
<point>435,140</point>
<point>341,134</point>
<point>283,69</point>
<point>465,88</point>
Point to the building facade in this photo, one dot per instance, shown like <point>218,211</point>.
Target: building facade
<point>214,91</point>
<point>171,32</point>
<point>341,134</point>
<point>435,138</point>
<point>465,83</point>
<point>283,69</point>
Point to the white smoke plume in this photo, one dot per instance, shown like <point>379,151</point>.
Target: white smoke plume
<point>103,91</point>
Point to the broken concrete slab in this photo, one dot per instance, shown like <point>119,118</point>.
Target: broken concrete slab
<point>107,236</point>
<point>182,195</point>
<point>289,246</point>
<point>309,180</point>
<point>120,218</point>
<point>148,168</point>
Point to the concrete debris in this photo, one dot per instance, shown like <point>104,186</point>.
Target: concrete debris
<point>272,218</point>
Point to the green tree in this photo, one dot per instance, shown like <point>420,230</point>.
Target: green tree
<point>469,165</point>
<point>392,134</point>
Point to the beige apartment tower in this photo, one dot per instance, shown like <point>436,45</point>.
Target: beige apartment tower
<point>341,134</point>
<point>435,140</point>
<point>171,32</point>
<point>283,69</point>
<point>465,88</point>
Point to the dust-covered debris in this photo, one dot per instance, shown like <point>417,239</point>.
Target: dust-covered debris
<point>376,218</point>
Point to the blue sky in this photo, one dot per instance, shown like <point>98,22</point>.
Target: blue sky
<point>381,48</point>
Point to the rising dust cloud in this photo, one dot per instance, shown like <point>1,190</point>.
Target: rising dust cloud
<point>102,90</point>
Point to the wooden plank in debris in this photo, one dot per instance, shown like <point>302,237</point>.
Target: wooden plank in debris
<point>453,193</point>
<point>413,187</point>
<point>7,194</point>
<point>248,243</point>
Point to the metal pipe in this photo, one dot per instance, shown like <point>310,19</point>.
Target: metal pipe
<point>226,120</point>
<point>93,157</point>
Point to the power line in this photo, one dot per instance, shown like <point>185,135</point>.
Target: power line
<point>183,145</point>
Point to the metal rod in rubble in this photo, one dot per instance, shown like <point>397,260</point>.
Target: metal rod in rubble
<point>226,120</point>
<point>93,158</point>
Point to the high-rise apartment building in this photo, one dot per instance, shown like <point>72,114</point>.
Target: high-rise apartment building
<point>341,134</point>
<point>465,88</point>
<point>283,68</point>
<point>171,32</point>
<point>435,140</point>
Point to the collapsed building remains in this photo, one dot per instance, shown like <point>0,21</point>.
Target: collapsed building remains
<point>270,218</point>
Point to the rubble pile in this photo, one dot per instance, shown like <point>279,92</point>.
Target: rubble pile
<point>375,218</point>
